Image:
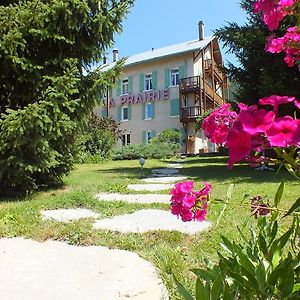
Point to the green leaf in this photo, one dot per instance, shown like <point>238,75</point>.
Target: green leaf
<point>279,193</point>
<point>204,274</point>
<point>182,290</point>
<point>201,291</point>
<point>295,208</point>
<point>216,288</point>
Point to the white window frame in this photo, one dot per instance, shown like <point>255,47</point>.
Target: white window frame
<point>124,86</point>
<point>148,86</point>
<point>122,113</point>
<point>126,139</point>
<point>174,76</point>
<point>147,106</point>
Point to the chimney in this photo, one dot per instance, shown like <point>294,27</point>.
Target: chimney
<point>201,30</point>
<point>115,55</point>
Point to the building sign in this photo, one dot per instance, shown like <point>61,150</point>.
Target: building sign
<point>148,96</point>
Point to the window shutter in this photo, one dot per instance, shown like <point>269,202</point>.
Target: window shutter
<point>153,110</point>
<point>174,107</point>
<point>143,111</point>
<point>144,137</point>
<point>129,112</point>
<point>167,78</point>
<point>182,135</point>
<point>142,82</point>
<point>129,84</point>
<point>118,88</point>
<point>181,72</point>
<point>154,80</point>
<point>119,113</point>
<point>153,133</point>
<point>104,113</point>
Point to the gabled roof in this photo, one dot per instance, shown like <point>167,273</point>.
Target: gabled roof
<point>163,52</point>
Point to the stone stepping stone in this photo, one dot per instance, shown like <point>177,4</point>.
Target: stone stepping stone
<point>150,187</point>
<point>56,270</point>
<point>150,219</point>
<point>176,166</point>
<point>68,214</point>
<point>165,171</point>
<point>135,198</point>
<point>165,179</point>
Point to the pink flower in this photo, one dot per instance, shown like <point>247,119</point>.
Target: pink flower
<point>275,45</point>
<point>275,101</point>
<point>284,132</point>
<point>273,19</point>
<point>200,215</point>
<point>239,145</point>
<point>217,125</point>
<point>255,120</point>
<point>186,215</point>
<point>204,191</point>
<point>176,208</point>
<point>297,103</point>
<point>189,201</point>
<point>286,3</point>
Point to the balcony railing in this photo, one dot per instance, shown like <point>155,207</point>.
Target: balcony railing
<point>189,114</point>
<point>190,84</point>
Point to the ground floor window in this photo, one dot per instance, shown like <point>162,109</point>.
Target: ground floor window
<point>125,139</point>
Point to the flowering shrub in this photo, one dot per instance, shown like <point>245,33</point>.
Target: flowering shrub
<point>188,203</point>
<point>273,12</point>
<point>255,129</point>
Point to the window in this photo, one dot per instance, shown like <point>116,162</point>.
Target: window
<point>148,135</point>
<point>149,111</point>
<point>125,87</point>
<point>174,77</point>
<point>125,139</point>
<point>148,82</point>
<point>124,113</point>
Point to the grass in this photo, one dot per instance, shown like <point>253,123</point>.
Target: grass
<point>172,252</point>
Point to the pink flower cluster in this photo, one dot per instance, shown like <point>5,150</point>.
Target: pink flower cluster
<point>217,125</point>
<point>273,12</point>
<point>286,44</point>
<point>188,203</point>
<point>255,129</point>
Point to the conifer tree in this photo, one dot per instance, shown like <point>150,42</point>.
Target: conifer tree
<point>46,48</point>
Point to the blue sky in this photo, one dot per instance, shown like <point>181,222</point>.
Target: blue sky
<point>158,23</point>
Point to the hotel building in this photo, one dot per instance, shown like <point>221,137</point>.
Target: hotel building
<point>168,88</point>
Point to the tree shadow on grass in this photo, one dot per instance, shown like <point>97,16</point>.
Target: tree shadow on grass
<point>239,174</point>
<point>217,172</point>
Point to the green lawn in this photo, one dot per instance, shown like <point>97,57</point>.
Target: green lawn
<point>171,252</point>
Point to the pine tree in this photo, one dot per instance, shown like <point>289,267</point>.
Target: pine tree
<point>259,73</point>
<point>45,91</point>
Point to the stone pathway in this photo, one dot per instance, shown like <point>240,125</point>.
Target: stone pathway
<point>150,219</point>
<point>55,270</point>
<point>150,187</point>
<point>68,214</point>
<point>165,179</point>
<point>135,198</point>
<point>95,272</point>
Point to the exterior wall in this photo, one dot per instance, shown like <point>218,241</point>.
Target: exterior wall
<point>136,125</point>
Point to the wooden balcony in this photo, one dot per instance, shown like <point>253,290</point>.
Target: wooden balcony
<point>190,114</point>
<point>190,84</point>
<point>210,66</point>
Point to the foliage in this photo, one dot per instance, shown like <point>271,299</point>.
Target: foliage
<point>98,139</point>
<point>199,120</point>
<point>151,150</point>
<point>264,266</point>
<point>258,71</point>
<point>44,93</point>
<point>168,135</point>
